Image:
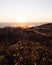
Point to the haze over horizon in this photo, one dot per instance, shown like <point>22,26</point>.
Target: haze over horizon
<point>25,11</point>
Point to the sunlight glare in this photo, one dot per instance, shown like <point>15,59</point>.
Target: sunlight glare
<point>21,20</point>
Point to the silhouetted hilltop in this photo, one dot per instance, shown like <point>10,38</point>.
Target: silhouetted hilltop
<point>48,25</point>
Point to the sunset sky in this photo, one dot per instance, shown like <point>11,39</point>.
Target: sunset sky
<point>25,11</point>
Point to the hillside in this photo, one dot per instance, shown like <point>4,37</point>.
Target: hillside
<point>29,46</point>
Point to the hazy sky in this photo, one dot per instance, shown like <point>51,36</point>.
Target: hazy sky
<point>25,10</point>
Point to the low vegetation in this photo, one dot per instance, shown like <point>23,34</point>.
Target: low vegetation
<point>29,46</point>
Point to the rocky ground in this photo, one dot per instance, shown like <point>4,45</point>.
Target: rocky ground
<point>29,46</point>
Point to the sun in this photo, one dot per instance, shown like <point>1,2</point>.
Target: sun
<point>21,20</point>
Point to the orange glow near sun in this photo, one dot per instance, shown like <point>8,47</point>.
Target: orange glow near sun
<point>21,21</point>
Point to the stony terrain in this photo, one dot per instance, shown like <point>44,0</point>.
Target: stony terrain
<point>26,46</point>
